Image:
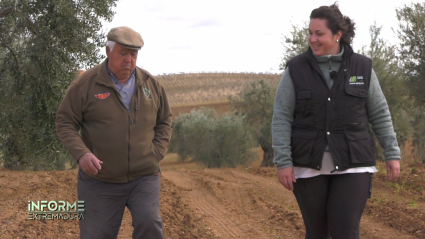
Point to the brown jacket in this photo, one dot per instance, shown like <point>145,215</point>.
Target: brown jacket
<point>129,142</point>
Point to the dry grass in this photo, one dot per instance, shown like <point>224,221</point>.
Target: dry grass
<point>204,88</point>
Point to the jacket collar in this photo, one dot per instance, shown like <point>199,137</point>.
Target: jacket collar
<point>348,52</point>
<point>105,79</point>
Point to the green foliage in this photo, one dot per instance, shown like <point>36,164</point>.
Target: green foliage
<point>389,70</point>
<point>412,51</point>
<point>213,141</point>
<point>255,103</point>
<point>412,47</point>
<point>42,45</point>
<point>294,44</point>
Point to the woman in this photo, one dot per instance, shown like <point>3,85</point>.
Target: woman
<point>324,150</point>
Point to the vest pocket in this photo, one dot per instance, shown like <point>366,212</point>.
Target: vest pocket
<point>361,146</point>
<point>355,100</point>
<point>303,105</point>
<point>357,91</point>
<point>302,142</point>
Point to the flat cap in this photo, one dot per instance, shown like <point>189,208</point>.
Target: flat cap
<point>126,37</point>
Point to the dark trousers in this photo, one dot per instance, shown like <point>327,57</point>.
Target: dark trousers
<point>105,203</point>
<point>332,205</point>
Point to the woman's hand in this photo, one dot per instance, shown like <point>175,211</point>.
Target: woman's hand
<point>286,177</point>
<point>393,169</point>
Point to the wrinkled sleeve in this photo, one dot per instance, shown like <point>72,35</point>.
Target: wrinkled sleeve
<point>163,124</point>
<point>283,116</point>
<point>68,122</point>
<point>380,119</point>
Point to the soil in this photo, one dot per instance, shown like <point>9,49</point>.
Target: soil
<point>217,203</point>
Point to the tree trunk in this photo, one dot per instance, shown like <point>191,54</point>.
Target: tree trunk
<point>267,157</point>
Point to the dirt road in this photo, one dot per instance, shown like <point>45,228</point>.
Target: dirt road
<point>237,204</point>
<point>213,203</point>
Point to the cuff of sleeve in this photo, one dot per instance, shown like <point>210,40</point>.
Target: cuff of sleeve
<point>283,164</point>
<point>389,159</point>
<point>81,155</point>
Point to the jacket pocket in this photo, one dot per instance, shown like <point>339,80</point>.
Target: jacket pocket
<point>156,152</point>
<point>361,146</point>
<point>302,142</point>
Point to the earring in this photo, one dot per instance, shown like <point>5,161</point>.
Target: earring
<point>337,40</point>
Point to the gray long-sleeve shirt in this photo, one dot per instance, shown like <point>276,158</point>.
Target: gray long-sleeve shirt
<point>284,106</point>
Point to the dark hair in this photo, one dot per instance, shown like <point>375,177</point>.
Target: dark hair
<point>336,21</point>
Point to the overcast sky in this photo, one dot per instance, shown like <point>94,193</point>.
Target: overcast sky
<point>233,35</point>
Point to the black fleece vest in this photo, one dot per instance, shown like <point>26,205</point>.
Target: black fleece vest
<point>335,117</point>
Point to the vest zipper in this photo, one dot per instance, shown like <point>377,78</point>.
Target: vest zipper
<point>329,100</point>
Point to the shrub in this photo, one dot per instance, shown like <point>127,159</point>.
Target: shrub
<point>213,141</point>
<point>255,103</point>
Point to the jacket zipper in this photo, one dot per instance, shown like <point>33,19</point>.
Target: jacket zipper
<point>132,121</point>
<point>129,138</point>
<point>135,108</point>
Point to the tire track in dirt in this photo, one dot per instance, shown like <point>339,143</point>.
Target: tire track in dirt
<point>269,198</point>
<point>219,219</point>
<point>235,205</point>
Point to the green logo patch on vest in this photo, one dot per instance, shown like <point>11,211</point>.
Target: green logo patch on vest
<point>356,80</point>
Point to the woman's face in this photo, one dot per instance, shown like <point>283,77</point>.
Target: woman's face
<point>321,39</point>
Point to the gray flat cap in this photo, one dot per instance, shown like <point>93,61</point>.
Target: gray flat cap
<point>126,37</point>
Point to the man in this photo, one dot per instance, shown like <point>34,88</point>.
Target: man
<point>115,120</point>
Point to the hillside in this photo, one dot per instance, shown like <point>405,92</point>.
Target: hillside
<point>205,88</point>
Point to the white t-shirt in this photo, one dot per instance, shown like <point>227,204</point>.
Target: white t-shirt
<point>327,167</point>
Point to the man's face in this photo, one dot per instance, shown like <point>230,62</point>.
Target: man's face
<point>122,61</point>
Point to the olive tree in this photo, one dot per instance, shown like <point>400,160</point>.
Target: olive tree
<point>43,44</point>
<point>411,34</point>
<point>215,141</point>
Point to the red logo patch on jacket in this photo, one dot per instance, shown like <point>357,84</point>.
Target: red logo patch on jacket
<point>102,96</point>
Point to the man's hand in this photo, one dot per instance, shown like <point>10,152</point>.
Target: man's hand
<point>393,169</point>
<point>90,164</point>
<point>286,177</point>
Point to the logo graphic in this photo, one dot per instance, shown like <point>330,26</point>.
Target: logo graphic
<point>102,96</point>
<point>356,80</point>
<point>55,210</point>
<point>146,92</point>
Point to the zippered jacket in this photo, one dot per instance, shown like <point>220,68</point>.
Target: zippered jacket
<point>336,117</point>
<point>93,119</point>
